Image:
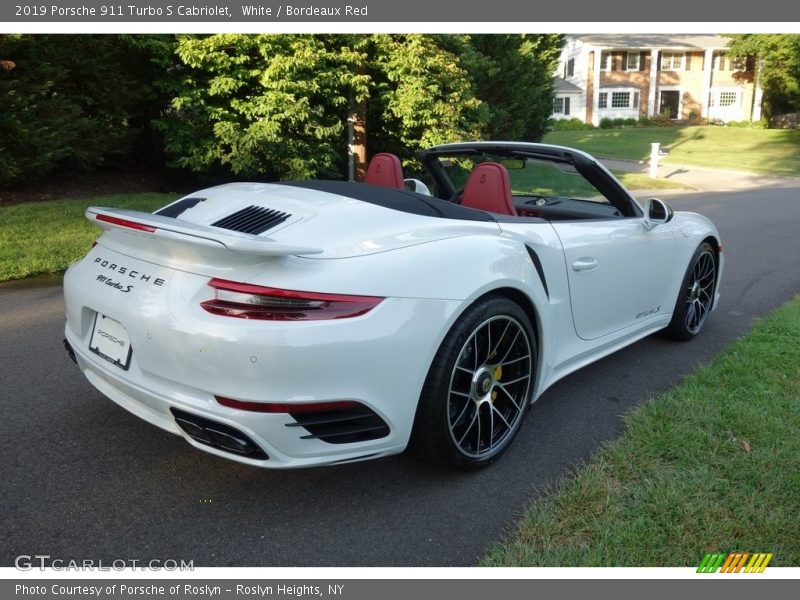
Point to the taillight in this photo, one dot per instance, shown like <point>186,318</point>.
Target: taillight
<point>247,301</point>
<point>282,407</point>
<point>125,223</point>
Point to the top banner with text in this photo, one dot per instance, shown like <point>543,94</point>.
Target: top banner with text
<point>372,11</point>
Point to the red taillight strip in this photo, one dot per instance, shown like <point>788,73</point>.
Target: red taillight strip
<point>283,408</point>
<point>259,290</point>
<point>320,306</point>
<point>125,223</point>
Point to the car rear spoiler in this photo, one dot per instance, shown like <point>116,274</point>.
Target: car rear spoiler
<point>184,231</point>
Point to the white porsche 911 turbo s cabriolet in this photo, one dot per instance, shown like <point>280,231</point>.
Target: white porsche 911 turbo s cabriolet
<point>321,322</point>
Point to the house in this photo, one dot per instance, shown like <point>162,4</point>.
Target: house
<point>642,75</point>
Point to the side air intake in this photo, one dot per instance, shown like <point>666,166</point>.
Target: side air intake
<point>252,220</point>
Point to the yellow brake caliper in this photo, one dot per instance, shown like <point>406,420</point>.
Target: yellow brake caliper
<point>497,373</point>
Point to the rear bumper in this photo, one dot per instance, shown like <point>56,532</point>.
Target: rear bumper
<point>183,356</point>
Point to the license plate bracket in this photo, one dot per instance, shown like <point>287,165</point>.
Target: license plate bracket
<point>111,341</point>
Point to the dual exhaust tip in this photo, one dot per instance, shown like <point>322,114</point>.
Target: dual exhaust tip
<point>217,435</point>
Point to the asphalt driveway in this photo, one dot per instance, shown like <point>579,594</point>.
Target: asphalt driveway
<point>82,478</point>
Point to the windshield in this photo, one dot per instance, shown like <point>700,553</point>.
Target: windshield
<point>529,177</point>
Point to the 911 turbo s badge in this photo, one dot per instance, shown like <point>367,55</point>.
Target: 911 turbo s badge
<point>127,272</point>
<point>646,313</point>
<point>114,284</point>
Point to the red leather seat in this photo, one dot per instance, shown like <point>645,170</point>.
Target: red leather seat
<point>488,188</point>
<point>385,169</point>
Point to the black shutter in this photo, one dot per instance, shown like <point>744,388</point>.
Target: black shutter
<point>642,58</point>
<point>566,105</point>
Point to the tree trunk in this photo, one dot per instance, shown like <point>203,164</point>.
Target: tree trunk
<point>360,140</point>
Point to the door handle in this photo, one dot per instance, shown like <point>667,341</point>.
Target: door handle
<point>585,264</point>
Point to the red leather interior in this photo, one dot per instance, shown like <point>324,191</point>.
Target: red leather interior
<point>385,169</point>
<point>488,188</point>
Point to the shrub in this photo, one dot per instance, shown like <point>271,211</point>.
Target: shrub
<point>747,124</point>
<point>661,120</point>
<point>573,124</point>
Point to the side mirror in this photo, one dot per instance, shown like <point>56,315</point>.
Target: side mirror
<point>415,185</point>
<point>656,212</point>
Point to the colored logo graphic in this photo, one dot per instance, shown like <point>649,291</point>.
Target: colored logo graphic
<point>735,562</point>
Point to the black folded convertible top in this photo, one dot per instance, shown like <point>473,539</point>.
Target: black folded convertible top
<point>408,202</point>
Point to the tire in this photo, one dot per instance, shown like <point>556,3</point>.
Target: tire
<point>696,296</point>
<point>478,388</point>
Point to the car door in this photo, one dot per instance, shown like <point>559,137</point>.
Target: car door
<point>619,272</point>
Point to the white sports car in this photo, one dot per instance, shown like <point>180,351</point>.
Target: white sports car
<point>321,322</point>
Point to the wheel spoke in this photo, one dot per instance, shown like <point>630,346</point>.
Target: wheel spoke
<point>690,316</point>
<point>488,341</point>
<point>513,381</point>
<point>510,348</point>
<point>466,431</point>
<point>478,419</point>
<point>516,360</point>
<point>499,414</point>
<point>510,397</point>
<point>463,410</point>
<point>500,341</point>
<point>491,427</point>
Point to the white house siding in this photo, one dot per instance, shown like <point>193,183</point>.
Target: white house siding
<point>574,49</point>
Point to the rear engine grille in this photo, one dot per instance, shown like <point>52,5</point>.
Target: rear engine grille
<point>217,435</point>
<point>253,220</point>
<point>341,426</point>
<point>179,207</point>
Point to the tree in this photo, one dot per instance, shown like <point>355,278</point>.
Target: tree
<point>276,106</point>
<point>75,102</point>
<point>273,106</point>
<point>512,76</point>
<point>420,94</point>
<point>777,61</point>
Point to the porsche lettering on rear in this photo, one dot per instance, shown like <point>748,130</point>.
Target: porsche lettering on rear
<point>323,322</point>
<point>130,273</point>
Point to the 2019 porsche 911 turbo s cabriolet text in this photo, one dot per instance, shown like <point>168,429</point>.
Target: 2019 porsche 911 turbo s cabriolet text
<point>321,322</point>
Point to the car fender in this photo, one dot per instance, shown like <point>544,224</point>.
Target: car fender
<point>693,228</point>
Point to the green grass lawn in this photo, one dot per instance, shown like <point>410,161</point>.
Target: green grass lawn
<point>711,466</point>
<point>45,237</point>
<point>768,151</point>
<point>546,179</point>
